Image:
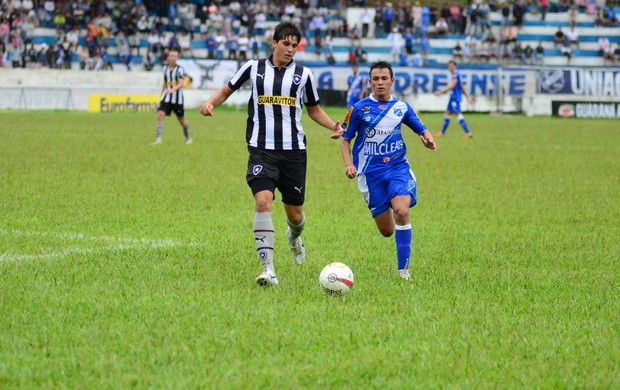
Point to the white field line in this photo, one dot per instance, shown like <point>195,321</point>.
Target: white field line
<point>119,244</point>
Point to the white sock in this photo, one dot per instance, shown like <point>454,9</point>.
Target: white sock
<point>264,238</point>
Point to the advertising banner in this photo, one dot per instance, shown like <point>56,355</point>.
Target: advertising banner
<point>478,82</point>
<point>114,104</point>
<point>209,74</point>
<point>589,110</point>
<point>585,82</point>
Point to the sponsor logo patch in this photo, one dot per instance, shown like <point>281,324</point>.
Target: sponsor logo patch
<point>277,100</point>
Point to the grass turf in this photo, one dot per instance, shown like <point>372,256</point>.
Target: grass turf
<point>128,265</point>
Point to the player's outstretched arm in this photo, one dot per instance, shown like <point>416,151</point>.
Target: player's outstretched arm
<point>215,100</point>
<point>345,150</point>
<point>427,139</point>
<point>469,98</point>
<point>446,89</point>
<point>317,114</point>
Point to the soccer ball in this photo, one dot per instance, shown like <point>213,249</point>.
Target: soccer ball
<point>336,279</point>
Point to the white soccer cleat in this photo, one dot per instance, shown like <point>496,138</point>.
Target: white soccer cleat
<point>404,273</point>
<point>297,247</point>
<point>267,278</point>
<point>188,141</point>
<point>158,141</point>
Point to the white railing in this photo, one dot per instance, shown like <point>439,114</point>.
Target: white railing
<point>35,98</point>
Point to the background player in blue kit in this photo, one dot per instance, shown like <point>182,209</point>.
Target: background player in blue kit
<point>454,105</point>
<point>357,86</point>
<point>384,175</point>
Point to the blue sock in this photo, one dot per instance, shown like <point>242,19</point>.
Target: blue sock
<point>446,123</point>
<point>464,125</point>
<point>403,245</point>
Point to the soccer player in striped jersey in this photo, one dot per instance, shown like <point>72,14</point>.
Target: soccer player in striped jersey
<point>172,97</point>
<point>379,161</point>
<point>454,105</point>
<point>276,140</point>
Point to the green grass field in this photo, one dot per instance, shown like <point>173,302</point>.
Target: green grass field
<point>127,265</point>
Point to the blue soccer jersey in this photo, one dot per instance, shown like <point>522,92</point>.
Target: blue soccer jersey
<point>456,93</point>
<point>454,104</point>
<point>376,127</point>
<point>356,84</point>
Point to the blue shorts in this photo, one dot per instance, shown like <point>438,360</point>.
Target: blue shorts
<point>454,106</point>
<point>378,188</point>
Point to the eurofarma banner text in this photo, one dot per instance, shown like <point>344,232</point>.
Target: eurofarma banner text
<point>115,104</point>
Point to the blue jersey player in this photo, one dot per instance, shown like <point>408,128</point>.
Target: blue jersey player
<point>454,105</point>
<point>357,86</point>
<point>378,159</point>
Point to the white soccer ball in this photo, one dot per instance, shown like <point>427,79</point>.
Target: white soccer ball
<point>336,279</point>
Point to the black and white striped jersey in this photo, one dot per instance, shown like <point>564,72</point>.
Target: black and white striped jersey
<point>276,103</point>
<point>172,77</point>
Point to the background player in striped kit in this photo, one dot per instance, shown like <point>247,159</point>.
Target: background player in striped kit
<point>276,140</point>
<point>454,105</point>
<point>379,161</point>
<point>172,97</point>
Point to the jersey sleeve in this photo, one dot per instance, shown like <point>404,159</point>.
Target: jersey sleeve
<point>242,75</point>
<point>413,121</point>
<point>351,123</point>
<point>311,95</point>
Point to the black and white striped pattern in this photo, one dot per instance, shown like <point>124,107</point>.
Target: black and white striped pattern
<point>276,104</point>
<point>172,77</point>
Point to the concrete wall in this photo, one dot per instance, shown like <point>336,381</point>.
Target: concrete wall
<point>57,89</point>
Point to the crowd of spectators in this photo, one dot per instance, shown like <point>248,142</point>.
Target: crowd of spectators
<point>93,31</point>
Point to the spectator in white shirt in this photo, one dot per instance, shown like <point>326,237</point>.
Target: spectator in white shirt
<point>290,9</point>
<point>366,19</point>
<point>573,37</point>
<point>603,43</point>
<point>395,39</point>
<point>244,43</point>
<point>235,8</point>
<point>72,38</point>
<point>441,27</point>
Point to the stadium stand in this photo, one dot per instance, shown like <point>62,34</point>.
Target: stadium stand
<point>45,41</point>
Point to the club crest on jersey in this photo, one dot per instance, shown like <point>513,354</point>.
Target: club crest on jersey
<point>398,111</point>
<point>256,170</point>
<point>366,109</point>
<point>296,79</point>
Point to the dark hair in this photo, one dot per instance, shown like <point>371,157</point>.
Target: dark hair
<point>286,29</point>
<point>452,62</point>
<point>382,65</point>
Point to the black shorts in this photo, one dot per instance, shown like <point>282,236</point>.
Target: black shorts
<point>281,169</point>
<point>171,107</point>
